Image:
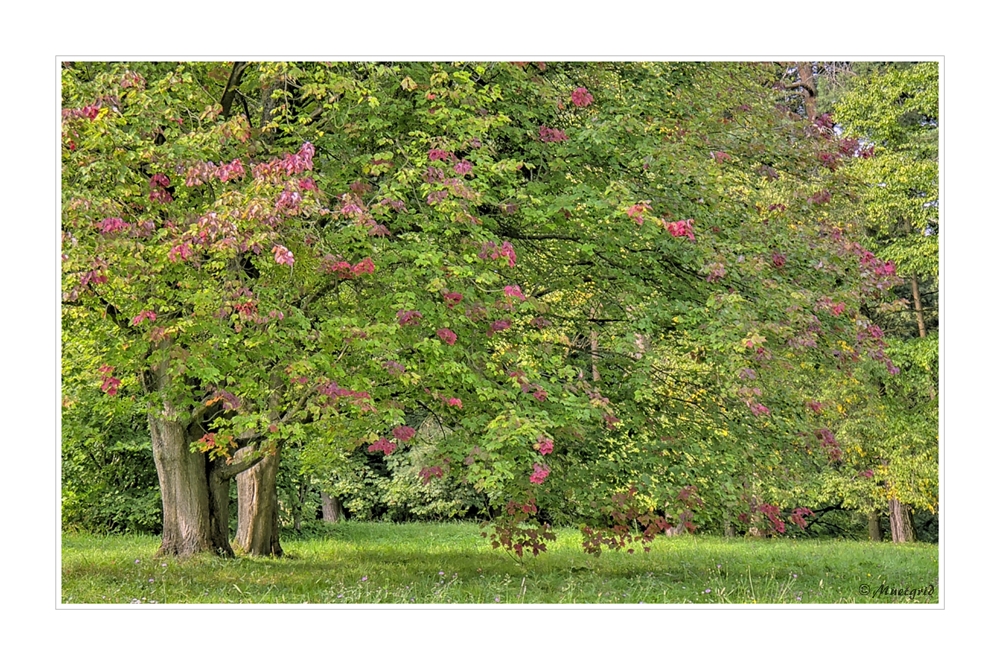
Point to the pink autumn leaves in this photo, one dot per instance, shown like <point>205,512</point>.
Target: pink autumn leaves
<point>681,228</point>
<point>580,98</point>
<point>403,433</point>
<point>109,384</point>
<point>344,270</point>
<point>540,472</point>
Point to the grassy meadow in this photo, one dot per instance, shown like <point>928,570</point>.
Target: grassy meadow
<point>432,563</point>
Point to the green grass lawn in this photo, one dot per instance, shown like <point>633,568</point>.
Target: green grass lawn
<point>427,563</point>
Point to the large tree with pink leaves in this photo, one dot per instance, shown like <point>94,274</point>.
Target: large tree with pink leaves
<point>611,286</point>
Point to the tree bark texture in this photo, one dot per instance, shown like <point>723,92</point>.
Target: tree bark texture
<point>183,488</point>
<point>808,85</point>
<point>258,528</point>
<point>901,522</point>
<point>218,497</point>
<point>918,307</point>
<point>874,526</point>
<point>332,510</point>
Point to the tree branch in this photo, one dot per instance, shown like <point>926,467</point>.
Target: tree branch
<point>229,94</point>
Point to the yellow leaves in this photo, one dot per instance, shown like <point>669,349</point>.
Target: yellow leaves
<point>408,84</point>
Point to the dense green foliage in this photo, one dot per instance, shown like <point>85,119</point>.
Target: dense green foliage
<point>892,421</point>
<point>608,294</point>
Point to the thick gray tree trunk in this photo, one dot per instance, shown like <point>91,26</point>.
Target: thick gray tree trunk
<point>190,524</point>
<point>258,527</point>
<point>901,522</point>
<point>183,488</point>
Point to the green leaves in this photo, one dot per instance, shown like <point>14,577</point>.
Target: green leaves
<point>659,245</point>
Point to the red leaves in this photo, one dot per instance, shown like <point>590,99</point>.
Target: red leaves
<point>819,197</point>
<point>773,513</point>
<point>581,97</point>
<point>798,517</point>
<point>539,475</point>
<point>110,225</point>
<point>409,317</point>
<point>549,135</point>
<point>158,188</point>
<point>282,255</point>
<point>440,155</point>
<point>364,267</point>
<point>447,336</point>
<point>404,433</point>
<point>427,473</point>
<point>624,514</point>
<point>829,444</point>
<point>684,227</point>
<point>110,384</point>
<point>635,212</point>
<point>489,250</point>
<point>544,446</point>
<point>511,532</point>
<point>497,326</point>
<point>288,165</point>
<point>344,270</point>
<point>142,316</point>
<point>452,299</point>
<point>383,445</point>
<point>394,368</point>
<point>514,292</point>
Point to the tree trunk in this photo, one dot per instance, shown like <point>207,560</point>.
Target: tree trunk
<point>901,522</point>
<point>258,529</point>
<point>218,498</point>
<point>918,307</point>
<point>183,489</point>
<point>808,85</point>
<point>332,510</point>
<point>300,504</point>
<point>900,516</point>
<point>189,525</point>
<point>874,526</point>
